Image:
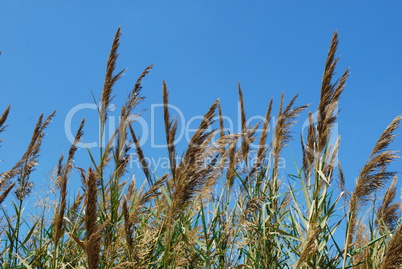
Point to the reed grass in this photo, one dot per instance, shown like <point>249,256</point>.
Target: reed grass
<point>214,207</point>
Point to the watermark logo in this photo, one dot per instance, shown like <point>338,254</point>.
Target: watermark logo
<point>152,133</point>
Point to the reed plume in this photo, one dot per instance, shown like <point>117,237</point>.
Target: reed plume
<point>134,98</point>
<point>3,119</point>
<point>6,190</point>
<point>389,213</point>
<point>170,130</point>
<point>128,228</point>
<point>309,247</point>
<point>372,177</point>
<point>24,167</point>
<point>93,236</point>
<point>245,143</point>
<point>144,197</point>
<point>330,93</point>
<point>193,172</point>
<point>285,120</point>
<point>63,175</point>
<point>262,148</point>
<point>231,170</point>
<point>110,78</point>
<point>121,152</point>
<point>317,153</point>
<point>74,208</point>
<point>393,256</point>
<point>122,149</point>
<point>221,125</point>
<point>133,207</point>
<point>309,149</point>
<point>5,193</point>
<point>341,182</point>
<point>140,154</point>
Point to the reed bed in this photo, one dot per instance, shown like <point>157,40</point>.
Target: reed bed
<point>214,207</point>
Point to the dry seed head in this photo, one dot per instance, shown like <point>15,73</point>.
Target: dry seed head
<point>373,175</point>
<point>3,196</point>
<point>140,154</point>
<point>134,97</point>
<point>170,130</point>
<point>389,213</point>
<point>286,119</point>
<point>3,119</point>
<point>230,174</point>
<point>310,245</point>
<point>330,94</point>
<point>63,175</point>
<point>93,233</point>
<point>23,168</point>
<point>265,128</point>
<point>393,256</point>
<point>110,78</point>
<point>221,126</point>
<point>245,143</point>
<point>192,173</point>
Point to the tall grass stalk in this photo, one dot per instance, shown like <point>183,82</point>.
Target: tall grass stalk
<point>220,205</point>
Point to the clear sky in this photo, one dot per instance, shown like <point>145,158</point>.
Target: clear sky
<point>54,55</point>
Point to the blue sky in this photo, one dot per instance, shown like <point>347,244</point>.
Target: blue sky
<point>54,55</point>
